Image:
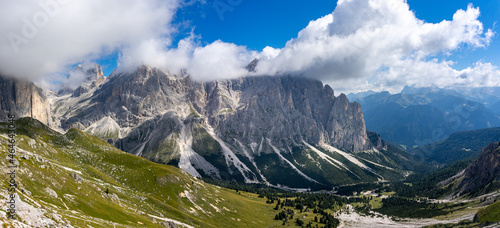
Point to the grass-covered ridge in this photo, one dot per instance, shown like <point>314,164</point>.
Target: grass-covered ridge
<point>459,146</point>
<point>117,189</point>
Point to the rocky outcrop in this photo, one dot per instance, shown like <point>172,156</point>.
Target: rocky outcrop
<point>88,76</point>
<point>24,99</point>
<point>94,78</point>
<point>169,224</point>
<point>76,177</point>
<point>377,141</point>
<point>482,176</point>
<point>252,65</point>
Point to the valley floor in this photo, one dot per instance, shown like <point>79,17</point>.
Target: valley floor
<point>349,217</point>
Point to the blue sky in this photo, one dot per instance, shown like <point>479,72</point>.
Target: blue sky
<point>436,11</point>
<point>252,23</point>
<point>258,23</point>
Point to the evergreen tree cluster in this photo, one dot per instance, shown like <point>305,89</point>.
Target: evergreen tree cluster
<point>316,203</point>
<point>415,208</point>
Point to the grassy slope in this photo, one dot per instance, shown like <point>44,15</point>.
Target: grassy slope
<point>490,214</point>
<point>142,187</point>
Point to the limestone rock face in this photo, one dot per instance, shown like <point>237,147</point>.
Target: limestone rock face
<point>129,98</point>
<point>94,77</point>
<point>24,99</point>
<point>284,109</point>
<point>287,109</point>
<point>248,129</point>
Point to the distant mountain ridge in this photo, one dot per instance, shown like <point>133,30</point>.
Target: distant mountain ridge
<point>488,96</point>
<point>417,117</point>
<point>459,146</point>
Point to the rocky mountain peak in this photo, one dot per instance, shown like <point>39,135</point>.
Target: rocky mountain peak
<point>83,78</point>
<point>252,65</point>
<point>93,78</point>
<point>329,91</point>
<point>144,74</point>
<point>343,98</point>
<point>92,71</point>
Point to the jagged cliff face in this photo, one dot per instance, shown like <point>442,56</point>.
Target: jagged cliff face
<point>88,76</point>
<point>483,175</point>
<point>276,130</point>
<point>94,78</point>
<point>281,108</point>
<point>24,99</point>
<point>285,110</point>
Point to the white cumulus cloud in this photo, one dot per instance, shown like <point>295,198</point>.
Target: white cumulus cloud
<point>362,44</point>
<point>42,37</point>
<point>363,37</point>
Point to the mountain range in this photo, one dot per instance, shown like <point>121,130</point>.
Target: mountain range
<point>251,129</point>
<point>418,116</point>
<point>285,132</point>
<point>488,96</point>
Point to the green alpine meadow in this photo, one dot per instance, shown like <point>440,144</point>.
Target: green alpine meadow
<point>78,180</point>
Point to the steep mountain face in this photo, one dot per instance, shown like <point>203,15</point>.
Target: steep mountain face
<point>284,108</point>
<point>253,129</point>
<point>482,176</point>
<point>488,96</point>
<point>418,117</point>
<point>24,99</point>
